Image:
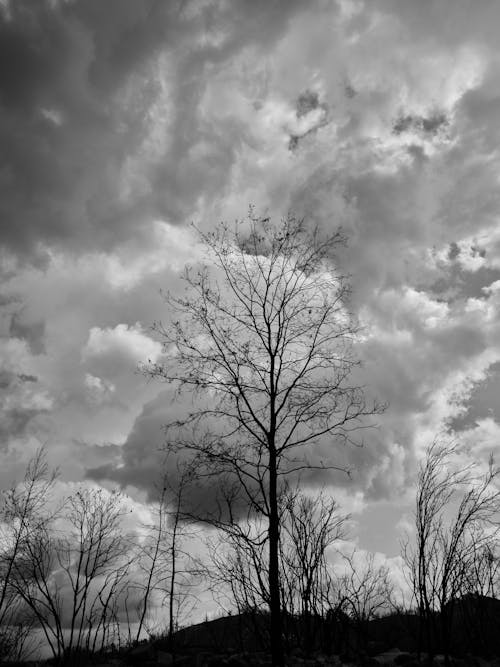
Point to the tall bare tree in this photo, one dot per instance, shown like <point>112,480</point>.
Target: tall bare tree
<point>264,339</point>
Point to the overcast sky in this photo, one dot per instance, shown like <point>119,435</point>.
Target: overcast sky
<point>122,121</point>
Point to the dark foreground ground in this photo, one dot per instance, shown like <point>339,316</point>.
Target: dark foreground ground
<point>143,656</point>
<point>242,641</point>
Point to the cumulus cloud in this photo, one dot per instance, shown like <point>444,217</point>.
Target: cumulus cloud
<point>117,350</point>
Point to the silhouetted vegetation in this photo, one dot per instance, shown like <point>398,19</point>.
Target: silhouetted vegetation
<point>70,572</point>
<point>456,526</point>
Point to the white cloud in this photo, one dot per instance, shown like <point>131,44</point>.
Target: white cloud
<point>483,438</point>
<point>120,345</point>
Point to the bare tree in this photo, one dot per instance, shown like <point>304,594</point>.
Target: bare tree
<point>311,525</point>
<point>70,575</point>
<point>90,556</point>
<point>483,573</point>
<point>23,513</point>
<point>264,340</point>
<point>236,575</point>
<point>237,562</point>
<point>454,515</point>
<point>168,569</point>
<point>182,573</point>
<point>363,592</point>
<point>150,562</point>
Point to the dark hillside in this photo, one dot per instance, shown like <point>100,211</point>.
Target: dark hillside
<point>475,631</point>
<point>476,625</point>
<point>239,632</point>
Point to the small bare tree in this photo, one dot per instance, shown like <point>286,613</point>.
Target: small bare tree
<point>23,513</point>
<point>363,591</point>
<point>483,572</point>
<point>167,568</point>
<point>454,521</point>
<point>264,339</point>
<point>150,563</point>
<point>236,575</point>
<point>70,575</point>
<point>311,525</point>
<point>90,556</point>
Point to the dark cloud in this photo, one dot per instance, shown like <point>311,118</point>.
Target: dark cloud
<point>142,462</point>
<point>27,378</point>
<point>6,378</point>
<point>454,251</point>
<point>76,92</point>
<point>431,124</point>
<point>483,402</point>
<point>14,423</point>
<point>307,102</point>
<point>18,405</point>
<point>65,133</point>
<point>456,283</point>
<point>141,457</point>
<point>32,332</point>
<point>7,300</point>
<point>90,455</point>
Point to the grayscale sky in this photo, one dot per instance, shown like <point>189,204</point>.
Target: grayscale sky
<point>122,121</point>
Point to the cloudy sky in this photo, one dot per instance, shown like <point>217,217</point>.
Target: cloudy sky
<point>123,121</point>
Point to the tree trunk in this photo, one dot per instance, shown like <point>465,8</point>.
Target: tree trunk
<point>274,574</point>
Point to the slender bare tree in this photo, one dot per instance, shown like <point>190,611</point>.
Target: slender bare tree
<point>23,513</point>
<point>264,339</point>
<point>311,525</point>
<point>236,571</point>
<point>454,521</point>
<point>151,563</point>
<point>168,569</point>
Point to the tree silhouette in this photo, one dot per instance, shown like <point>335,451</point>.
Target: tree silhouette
<point>311,526</point>
<point>263,339</point>
<point>167,567</point>
<point>455,522</point>
<point>23,515</point>
<point>70,577</point>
